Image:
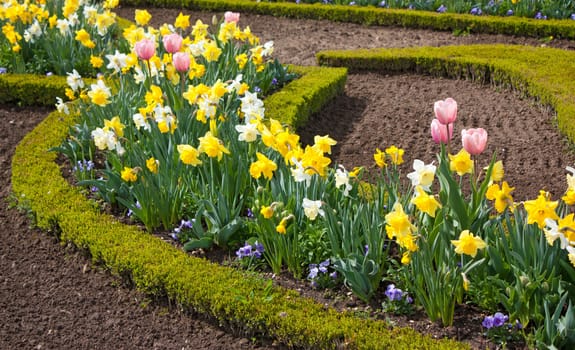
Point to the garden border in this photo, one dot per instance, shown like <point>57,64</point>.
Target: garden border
<point>367,15</point>
<point>235,298</point>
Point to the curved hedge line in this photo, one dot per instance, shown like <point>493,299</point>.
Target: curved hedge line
<point>543,73</point>
<point>234,297</point>
<point>384,17</point>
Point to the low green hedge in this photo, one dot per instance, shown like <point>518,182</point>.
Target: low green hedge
<point>378,16</point>
<point>543,73</point>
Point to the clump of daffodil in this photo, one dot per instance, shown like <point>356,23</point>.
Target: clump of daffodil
<point>461,163</point>
<point>425,202</point>
<point>540,209</point>
<point>398,226</point>
<point>501,195</point>
<point>468,244</point>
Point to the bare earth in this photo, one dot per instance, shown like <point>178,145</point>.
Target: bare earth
<point>51,297</point>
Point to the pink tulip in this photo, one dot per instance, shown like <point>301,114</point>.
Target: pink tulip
<point>445,111</point>
<point>172,42</point>
<point>474,140</point>
<point>181,61</point>
<point>145,49</point>
<point>440,133</point>
<point>231,17</point>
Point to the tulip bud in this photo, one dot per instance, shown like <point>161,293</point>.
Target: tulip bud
<point>231,17</point>
<point>181,61</point>
<point>445,111</point>
<point>172,42</point>
<point>441,133</point>
<point>474,140</point>
<point>145,49</point>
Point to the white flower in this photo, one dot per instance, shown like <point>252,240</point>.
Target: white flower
<point>236,84</point>
<point>139,76</point>
<point>552,233</point>
<point>423,175</point>
<point>90,13</point>
<point>571,252</point>
<point>312,208</point>
<point>248,132</point>
<point>268,49</point>
<point>197,49</point>
<point>73,19</point>
<point>117,61</point>
<point>104,139</point>
<point>61,106</point>
<point>75,81</point>
<point>570,178</point>
<point>298,173</point>
<point>342,178</point>
<point>63,26</point>
<point>252,106</point>
<point>141,122</point>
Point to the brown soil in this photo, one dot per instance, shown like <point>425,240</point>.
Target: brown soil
<point>51,297</point>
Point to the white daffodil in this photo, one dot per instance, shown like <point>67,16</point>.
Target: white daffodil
<point>311,208</point>
<point>423,175</point>
<point>571,252</point>
<point>75,81</point>
<point>570,178</point>
<point>104,139</point>
<point>63,26</point>
<point>268,48</point>
<point>236,84</point>
<point>61,106</point>
<point>248,132</point>
<point>342,179</point>
<point>117,61</point>
<point>553,232</point>
<point>252,106</point>
<point>298,173</point>
<point>141,122</point>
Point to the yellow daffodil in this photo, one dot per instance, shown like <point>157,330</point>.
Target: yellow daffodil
<point>501,196</point>
<point>263,166</point>
<point>96,61</point>
<point>540,209</point>
<point>395,154</point>
<point>212,146</point>
<point>199,30</point>
<point>379,158</point>
<point>569,197</point>
<point>267,212</point>
<point>129,174</point>
<point>497,172</point>
<point>468,244</point>
<point>324,143</point>
<point>142,17</point>
<point>116,125</point>
<point>189,155</point>
<point>425,202</point>
<point>152,165</point>
<point>182,22</point>
<point>406,258</point>
<point>242,60</point>
<point>461,163</point>
<point>84,38</point>
<point>211,51</point>
<point>314,161</point>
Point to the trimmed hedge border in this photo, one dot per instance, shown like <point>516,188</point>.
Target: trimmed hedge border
<point>519,26</point>
<point>542,73</point>
<point>235,298</point>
